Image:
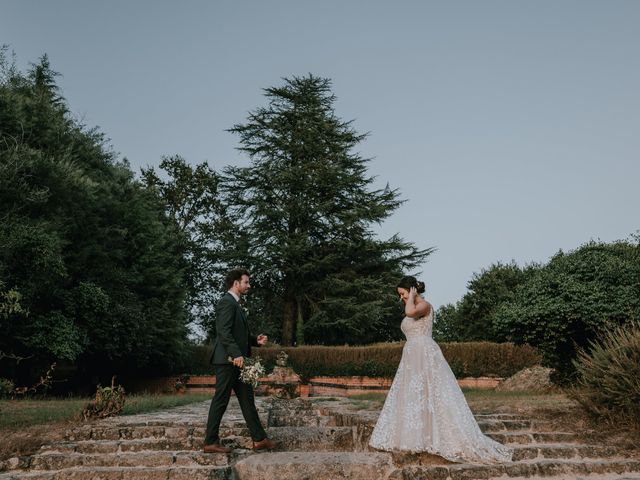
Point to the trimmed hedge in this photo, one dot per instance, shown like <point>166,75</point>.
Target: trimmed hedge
<point>468,359</point>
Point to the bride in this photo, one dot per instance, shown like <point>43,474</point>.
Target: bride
<point>425,410</point>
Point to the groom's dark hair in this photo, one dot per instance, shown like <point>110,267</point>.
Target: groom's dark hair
<point>233,275</point>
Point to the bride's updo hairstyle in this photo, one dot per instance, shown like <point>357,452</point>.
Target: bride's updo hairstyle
<point>409,281</point>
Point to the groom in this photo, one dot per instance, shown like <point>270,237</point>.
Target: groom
<point>233,340</point>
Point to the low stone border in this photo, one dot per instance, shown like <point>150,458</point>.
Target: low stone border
<point>316,386</point>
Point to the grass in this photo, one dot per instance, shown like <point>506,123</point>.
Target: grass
<point>24,413</point>
<point>368,401</point>
<point>523,402</point>
<point>483,400</point>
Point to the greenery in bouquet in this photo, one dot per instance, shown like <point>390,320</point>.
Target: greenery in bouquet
<point>251,371</point>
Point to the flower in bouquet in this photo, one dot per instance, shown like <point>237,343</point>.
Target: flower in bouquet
<point>251,371</point>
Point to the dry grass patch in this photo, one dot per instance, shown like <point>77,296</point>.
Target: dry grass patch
<point>26,425</point>
<point>16,442</point>
<point>529,403</point>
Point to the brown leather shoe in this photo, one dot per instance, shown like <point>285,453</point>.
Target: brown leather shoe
<point>265,444</point>
<point>216,448</point>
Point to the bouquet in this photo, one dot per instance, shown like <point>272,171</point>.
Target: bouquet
<point>251,371</point>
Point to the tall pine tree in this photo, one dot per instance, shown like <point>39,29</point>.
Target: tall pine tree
<point>305,208</point>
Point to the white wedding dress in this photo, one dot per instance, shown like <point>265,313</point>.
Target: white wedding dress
<point>425,410</point>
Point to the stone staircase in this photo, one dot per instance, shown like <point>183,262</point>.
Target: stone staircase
<point>320,439</point>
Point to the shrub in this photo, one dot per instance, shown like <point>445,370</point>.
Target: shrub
<point>481,359</point>
<point>109,401</point>
<point>196,362</point>
<point>471,318</point>
<point>6,387</point>
<point>180,384</point>
<point>608,382</point>
<point>381,360</point>
<point>564,305</point>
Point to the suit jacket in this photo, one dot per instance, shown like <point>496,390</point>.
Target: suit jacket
<point>233,337</point>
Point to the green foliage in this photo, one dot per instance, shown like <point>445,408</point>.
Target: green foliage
<point>95,260</point>
<point>197,360</point>
<point>190,197</point>
<point>481,359</point>
<point>572,300</point>
<point>304,209</point>
<point>6,387</point>
<point>472,318</point>
<point>608,375</point>
<point>10,302</point>
<point>555,307</point>
<point>381,360</point>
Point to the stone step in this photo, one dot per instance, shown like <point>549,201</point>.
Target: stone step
<point>524,469</point>
<point>238,427</point>
<point>280,417</point>
<point>508,437</point>
<point>486,423</point>
<point>59,461</point>
<point>148,453</point>
<point>532,452</point>
<point>564,451</point>
<point>499,416</point>
<point>230,417</point>
<point>315,466</point>
<point>125,473</point>
<point>316,421</point>
<point>490,426</point>
<point>160,431</point>
<point>291,438</point>
<point>526,436</point>
<point>349,419</point>
<point>338,439</point>
<point>138,445</point>
<point>318,439</point>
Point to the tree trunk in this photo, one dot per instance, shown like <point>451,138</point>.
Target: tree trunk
<point>288,322</point>
<point>299,323</point>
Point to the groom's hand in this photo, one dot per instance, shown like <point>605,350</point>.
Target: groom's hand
<point>238,362</point>
<point>262,339</point>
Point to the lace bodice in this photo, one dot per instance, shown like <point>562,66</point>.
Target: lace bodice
<point>417,327</point>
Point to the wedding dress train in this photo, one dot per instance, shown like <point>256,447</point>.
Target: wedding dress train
<point>425,410</point>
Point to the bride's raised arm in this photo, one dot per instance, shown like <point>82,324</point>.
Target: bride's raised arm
<point>416,307</point>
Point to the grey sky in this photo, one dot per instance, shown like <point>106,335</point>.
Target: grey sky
<point>510,127</point>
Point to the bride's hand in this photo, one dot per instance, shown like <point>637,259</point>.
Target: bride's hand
<point>412,294</point>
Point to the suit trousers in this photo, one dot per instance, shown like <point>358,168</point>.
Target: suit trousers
<point>228,379</point>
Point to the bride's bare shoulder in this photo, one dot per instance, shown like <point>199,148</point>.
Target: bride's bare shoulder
<point>427,308</point>
<point>430,309</point>
<point>423,309</point>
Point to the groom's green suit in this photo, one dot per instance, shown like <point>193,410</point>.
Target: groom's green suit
<point>233,339</point>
